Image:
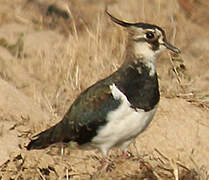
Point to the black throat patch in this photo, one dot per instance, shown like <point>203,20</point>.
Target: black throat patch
<point>140,88</point>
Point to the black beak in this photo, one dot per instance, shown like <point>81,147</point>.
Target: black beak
<point>171,47</point>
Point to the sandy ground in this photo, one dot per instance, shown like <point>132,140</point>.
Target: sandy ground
<point>52,50</point>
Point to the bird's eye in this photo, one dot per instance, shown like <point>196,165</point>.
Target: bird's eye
<point>150,35</point>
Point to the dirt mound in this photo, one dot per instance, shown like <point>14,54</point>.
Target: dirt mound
<point>172,141</point>
<point>19,114</point>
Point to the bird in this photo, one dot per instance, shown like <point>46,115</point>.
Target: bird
<point>115,110</point>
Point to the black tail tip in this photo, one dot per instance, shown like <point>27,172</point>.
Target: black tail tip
<point>30,145</point>
<point>36,144</point>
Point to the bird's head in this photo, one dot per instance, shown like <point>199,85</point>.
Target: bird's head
<point>145,40</point>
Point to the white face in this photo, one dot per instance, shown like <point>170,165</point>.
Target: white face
<point>148,43</point>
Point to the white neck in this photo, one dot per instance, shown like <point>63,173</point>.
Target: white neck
<point>143,50</point>
<point>148,56</point>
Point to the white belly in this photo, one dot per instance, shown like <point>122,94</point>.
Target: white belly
<point>124,124</point>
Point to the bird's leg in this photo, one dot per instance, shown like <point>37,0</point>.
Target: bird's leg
<point>137,152</point>
<point>125,152</point>
<point>106,162</point>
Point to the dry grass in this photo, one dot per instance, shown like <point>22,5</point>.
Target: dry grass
<point>52,58</point>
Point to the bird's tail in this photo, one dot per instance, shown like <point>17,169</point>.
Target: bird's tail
<point>55,134</point>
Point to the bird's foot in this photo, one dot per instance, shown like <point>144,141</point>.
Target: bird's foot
<point>126,155</point>
<point>107,164</point>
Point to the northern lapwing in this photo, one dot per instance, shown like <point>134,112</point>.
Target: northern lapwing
<point>115,110</point>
